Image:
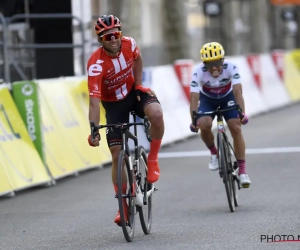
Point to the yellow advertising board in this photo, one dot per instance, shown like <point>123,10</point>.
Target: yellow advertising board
<point>66,128</point>
<point>60,159</point>
<point>292,74</point>
<point>19,157</point>
<point>5,187</point>
<point>79,92</point>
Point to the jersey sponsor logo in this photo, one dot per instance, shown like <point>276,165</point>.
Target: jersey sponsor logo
<point>230,103</point>
<point>195,74</point>
<point>95,86</point>
<point>225,65</point>
<point>119,78</point>
<point>194,84</point>
<point>224,81</point>
<point>95,69</point>
<point>204,69</point>
<point>236,76</point>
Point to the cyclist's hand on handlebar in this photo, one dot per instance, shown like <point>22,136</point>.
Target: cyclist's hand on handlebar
<point>95,142</point>
<point>140,88</point>
<point>193,128</point>
<point>245,119</point>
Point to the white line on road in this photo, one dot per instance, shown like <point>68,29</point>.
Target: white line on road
<point>249,151</point>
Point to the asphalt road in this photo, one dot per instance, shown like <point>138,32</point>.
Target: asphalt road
<point>190,209</point>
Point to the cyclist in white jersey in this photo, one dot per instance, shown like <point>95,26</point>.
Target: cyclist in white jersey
<point>217,82</point>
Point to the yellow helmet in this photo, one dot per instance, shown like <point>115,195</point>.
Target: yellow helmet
<point>211,52</point>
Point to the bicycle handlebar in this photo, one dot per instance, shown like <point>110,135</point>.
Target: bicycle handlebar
<point>218,111</point>
<point>122,126</point>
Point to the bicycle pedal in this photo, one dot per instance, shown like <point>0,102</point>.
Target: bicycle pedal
<point>155,189</point>
<point>116,196</point>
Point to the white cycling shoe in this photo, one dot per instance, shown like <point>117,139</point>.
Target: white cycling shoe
<point>244,180</point>
<point>214,163</point>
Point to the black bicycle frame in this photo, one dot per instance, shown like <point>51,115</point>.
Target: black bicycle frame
<point>126,133</point>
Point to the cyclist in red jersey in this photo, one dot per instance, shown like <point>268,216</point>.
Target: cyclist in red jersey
<point>115,78</point>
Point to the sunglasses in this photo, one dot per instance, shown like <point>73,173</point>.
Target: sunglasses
<point>214,64</point>
<point>110,36</point>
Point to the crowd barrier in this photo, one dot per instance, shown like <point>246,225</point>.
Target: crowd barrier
<point>44,123</point>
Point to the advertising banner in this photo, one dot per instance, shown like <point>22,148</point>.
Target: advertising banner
<point>25,95</point>
<point>19,157</point>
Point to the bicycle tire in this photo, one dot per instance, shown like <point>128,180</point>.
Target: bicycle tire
<point>234,166</point>
<point>234,185</point>
<point>145,211</point>
<point>223,162</point>
<point>125,172</point>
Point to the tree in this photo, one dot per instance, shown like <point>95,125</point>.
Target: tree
<point>174,28</point>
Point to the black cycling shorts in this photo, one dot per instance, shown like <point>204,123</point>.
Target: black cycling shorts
<point>118,112</point>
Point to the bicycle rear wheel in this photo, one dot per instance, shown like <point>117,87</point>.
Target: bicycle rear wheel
<point>225,169</point>
<point>145,211</point>
<point>126,200</point>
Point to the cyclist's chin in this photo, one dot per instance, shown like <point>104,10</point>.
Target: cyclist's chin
<point>215,74</point>
<point>114,49</point>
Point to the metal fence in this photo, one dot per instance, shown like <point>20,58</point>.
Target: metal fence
<point>12,52</point>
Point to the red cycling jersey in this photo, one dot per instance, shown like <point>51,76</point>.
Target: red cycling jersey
<point>111,78</point>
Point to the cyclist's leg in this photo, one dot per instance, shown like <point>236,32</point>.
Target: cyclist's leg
<point>205,124</point>
<point>150,106</point>
<point>116,112</point>
<point>235,128</point>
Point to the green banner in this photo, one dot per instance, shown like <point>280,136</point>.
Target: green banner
<point>25,95</point>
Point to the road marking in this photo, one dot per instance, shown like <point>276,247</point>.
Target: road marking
<point>249,151</point>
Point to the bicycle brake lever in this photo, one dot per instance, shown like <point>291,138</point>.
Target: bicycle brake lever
<point>194,118</point>
<point>92,126</point>
<point>147,126</point>
<point>93,131</point>
<point>240,111</point>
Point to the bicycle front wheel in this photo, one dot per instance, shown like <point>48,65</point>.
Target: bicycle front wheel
<point>145,211</point>
<point>125,196</point>
<point>225,169</point>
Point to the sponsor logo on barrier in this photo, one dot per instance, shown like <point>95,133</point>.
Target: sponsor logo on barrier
<point>183,69</point>
<point>254,63</point>
<point>278,59</point>
<point>27,89</point>
<point>26,99</point>
<point>30,121</point>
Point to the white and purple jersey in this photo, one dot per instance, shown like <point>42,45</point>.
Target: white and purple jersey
<point>203,81</point>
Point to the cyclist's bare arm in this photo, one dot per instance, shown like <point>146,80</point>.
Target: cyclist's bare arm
<point>137,68</point>
<point>94,110</point>
<point>238,94</point>
<point>194,99</point>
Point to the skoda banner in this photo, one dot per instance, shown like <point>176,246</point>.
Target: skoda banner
<point>26,98</point>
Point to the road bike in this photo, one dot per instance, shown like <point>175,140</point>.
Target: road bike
<point>132,172</point>
<point>228,167</point>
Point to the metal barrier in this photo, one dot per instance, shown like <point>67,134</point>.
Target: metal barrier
<point>5,51</point>
<point>7,47</point>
